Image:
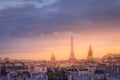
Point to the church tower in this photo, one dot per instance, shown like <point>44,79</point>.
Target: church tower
<point>90,54</point>
<point>72,55</point>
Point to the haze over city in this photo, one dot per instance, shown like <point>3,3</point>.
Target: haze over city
<point>34,29</point>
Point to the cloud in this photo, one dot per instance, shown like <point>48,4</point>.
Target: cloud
<point>38,17</point>
<point>21,3</point>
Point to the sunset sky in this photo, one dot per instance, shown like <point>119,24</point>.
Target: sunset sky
<point>34,29</point>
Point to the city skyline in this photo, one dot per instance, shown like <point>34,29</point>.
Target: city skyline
<point>36,28</point>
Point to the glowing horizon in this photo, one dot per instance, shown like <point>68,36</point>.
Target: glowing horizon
<point>42,47</point>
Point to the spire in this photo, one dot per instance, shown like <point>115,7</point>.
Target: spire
<point>90,50</point>
<point>90,53</point>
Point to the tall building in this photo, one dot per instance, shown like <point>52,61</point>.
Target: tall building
<point>53,59</point>
<point>90,53</point>
<point>72,55</point>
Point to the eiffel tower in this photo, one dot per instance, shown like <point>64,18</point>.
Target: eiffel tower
<point>72,55</point>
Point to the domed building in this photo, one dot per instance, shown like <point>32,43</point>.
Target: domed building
<point>53,59</point>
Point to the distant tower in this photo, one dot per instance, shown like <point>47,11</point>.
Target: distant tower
<point>72,55</point>
<point>90,53</point>
<point>53,58</point>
